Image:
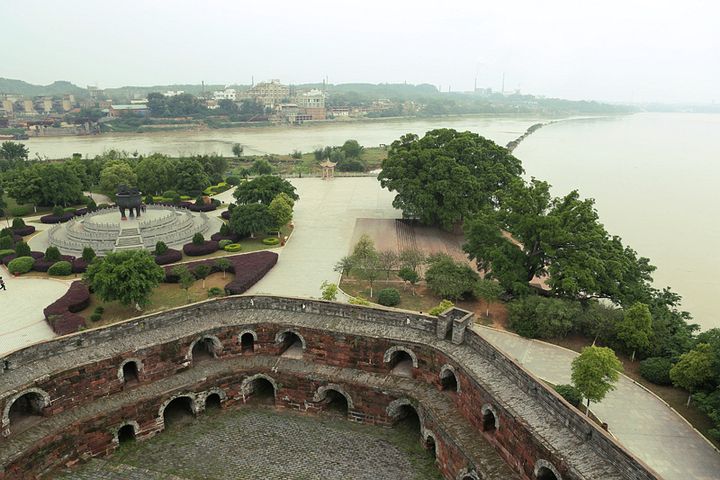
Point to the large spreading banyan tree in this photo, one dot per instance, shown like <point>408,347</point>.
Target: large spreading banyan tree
<point>446,176</point>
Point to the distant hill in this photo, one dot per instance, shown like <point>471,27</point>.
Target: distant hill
<point>60,87</point>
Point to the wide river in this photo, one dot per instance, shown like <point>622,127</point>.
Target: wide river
<point>654,176</point>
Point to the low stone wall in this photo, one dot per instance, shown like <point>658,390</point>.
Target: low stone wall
<point>344,336</point>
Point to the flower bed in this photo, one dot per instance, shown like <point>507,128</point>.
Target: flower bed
<point>208,247</point>
<point>225,215</point>
<point>248,269</point>
<point>79,265</point>
<point>57,218</point>
<point>61,314</point>
<point>170,256</point>
<point>24,231</point>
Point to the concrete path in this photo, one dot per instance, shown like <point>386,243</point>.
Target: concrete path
<point>21,309</point>
<point>642,422</point>
<point>325,219</point>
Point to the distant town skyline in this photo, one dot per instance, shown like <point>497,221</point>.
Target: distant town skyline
<point>638,51</point>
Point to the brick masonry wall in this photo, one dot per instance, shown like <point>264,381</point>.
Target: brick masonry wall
<point>513,439</point>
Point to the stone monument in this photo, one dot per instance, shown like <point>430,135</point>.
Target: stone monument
<point>129,198</point>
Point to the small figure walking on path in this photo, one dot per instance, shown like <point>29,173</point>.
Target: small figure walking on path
<point>2,284</point>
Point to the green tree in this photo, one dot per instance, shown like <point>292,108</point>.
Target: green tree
<point>448,278</point>
<point>22,249</point>
<point>88,255</point>
<point>261,167</point>
<point>388,260</point>
<point>190,176</point>
<point>223,264</point>
<point>250,219</point>
<point>412,258</point>
<point>12,154</point>
<point>559,239</point>
<point>345,265</point>
<point>366,261</point>
<point>487,290</point>
<point>446,176</point>
<point>595,372</point>
<point>214,166</point>
<point>329,291</point>
<point>280,211</point>
<point>695,370</point>
<point>636,328</point>
<point>534,316</point>
<point>201,272</point>
<point>352,148</point>
<point>114,174</point>
<point>126,276</point>
<point>410,276</point>
<point>155,174</point>
<point>237,150</point>
<point>3,205</point>
<point>185,279</point>
<point>263,189</point>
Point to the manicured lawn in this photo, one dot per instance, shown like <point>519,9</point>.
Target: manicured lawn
<point>165,296</point>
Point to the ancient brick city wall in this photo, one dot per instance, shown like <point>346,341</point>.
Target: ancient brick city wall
<point>87,383</point>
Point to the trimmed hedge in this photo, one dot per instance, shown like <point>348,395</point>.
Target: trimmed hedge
<point>61,314</point>
<point>208,247</point>
<point>656,370</point>
<point>389,297</point>
<point>233,247</point>
<point>19,211</point>
<point>9,258</point>
<point>248,269</point>
<point>21,265</point>
<point>24,231</point>
<point>170,256</point>
<point>56,218</point>
<point>62,268</point>
<point>5,253</point>
<point>219,236</point>
<point>271,241</point>
<point>224,243</point>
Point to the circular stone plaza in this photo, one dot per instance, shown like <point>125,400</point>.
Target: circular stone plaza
<point>107,231</point>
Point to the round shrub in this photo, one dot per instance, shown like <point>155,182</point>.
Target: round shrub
<point>170,194</point>
<point>21,265</point>
<point>58,211</point>
<point>60,269</point>
<point>6,232</point>
<point>52,254</point>
<point>22,249</point>
<point>215,292</point>
<point>18,223</point>
<point>233,180</point>
<point>233,247</point>
<point>95,317</point>
<point>7,243</point>
<point>198,239</point>
<point>389,297</point>
<point>88,254</point>
<point>656,370</point>
<point>224,243</point>
<point>571,394</point>
<point>100,310</point>
<point>160,248</point>
<point>271,241</point>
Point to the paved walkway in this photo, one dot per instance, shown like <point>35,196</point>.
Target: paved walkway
<point>640,421</point>
<point>21,319</point>
<point>325,219</point>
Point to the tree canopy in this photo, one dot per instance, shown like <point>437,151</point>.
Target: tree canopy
<point>191,176</point>
<point>636,328</point>
<point>263,189</point>
<point>562,240</point>
<point>250,219</point>
<point>114,174</point>
<point>446,176</point>
<point>45,184</point>
<point>450,279</point>
<point>595,372</point>
<point>126,276</point>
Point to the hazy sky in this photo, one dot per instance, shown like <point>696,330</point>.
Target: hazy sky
<point>628,50</point>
